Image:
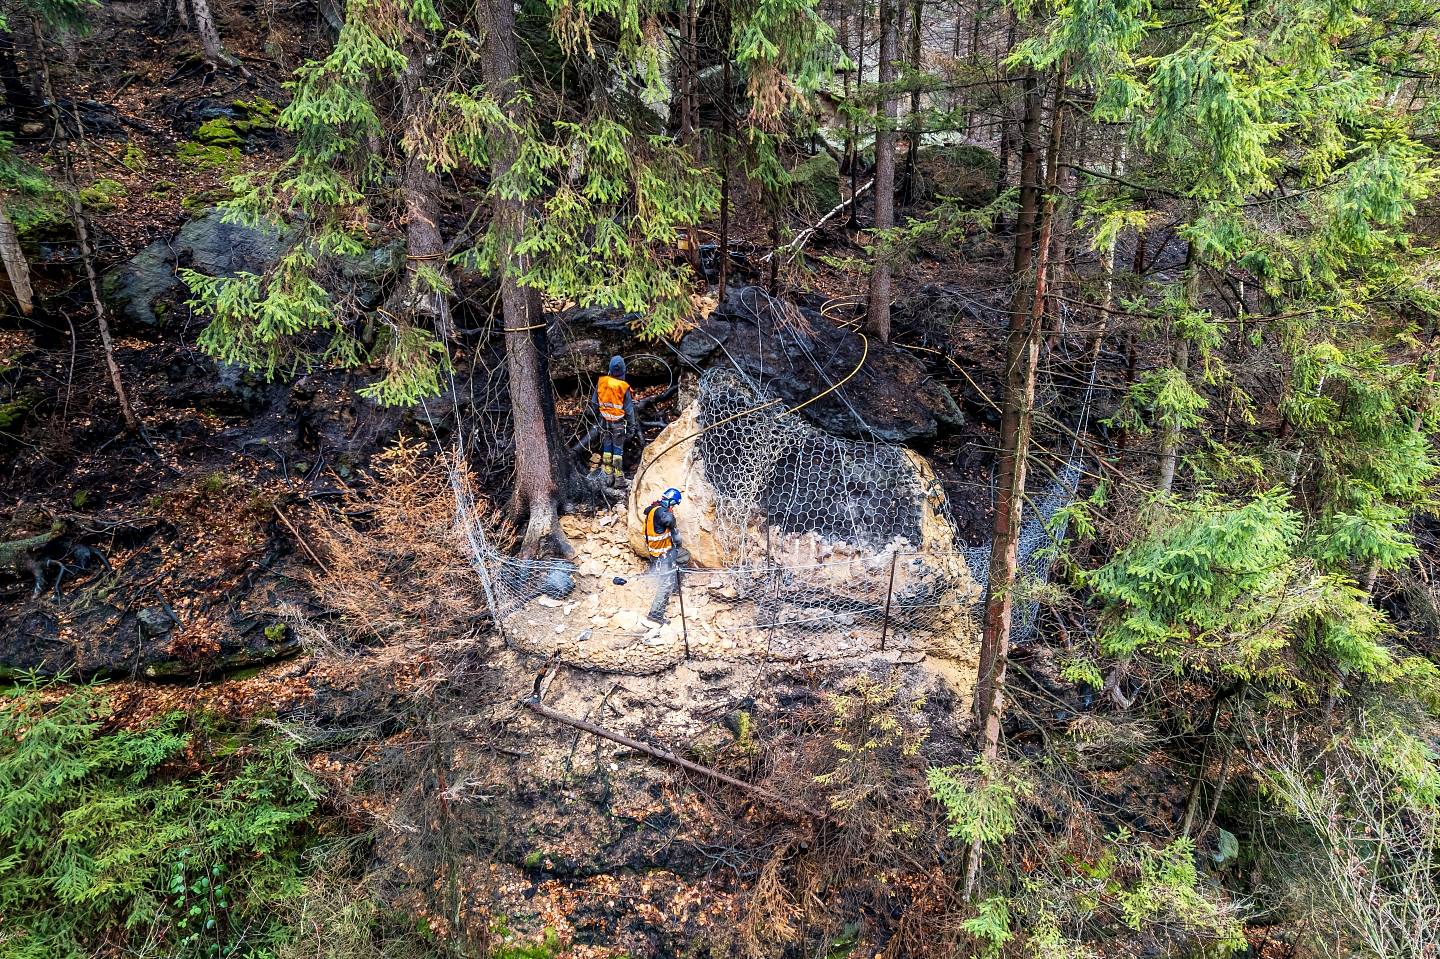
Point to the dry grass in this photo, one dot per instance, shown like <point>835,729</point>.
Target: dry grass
<point>397,570</point>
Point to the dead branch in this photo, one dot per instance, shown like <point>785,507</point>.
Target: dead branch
<point>792,248</point>
<point>781,803</point>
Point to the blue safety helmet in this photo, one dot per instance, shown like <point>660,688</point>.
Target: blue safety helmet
<point>671,496</point>
<point>617,367</point>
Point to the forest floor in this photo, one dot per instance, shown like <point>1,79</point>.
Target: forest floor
<point>206,523</point>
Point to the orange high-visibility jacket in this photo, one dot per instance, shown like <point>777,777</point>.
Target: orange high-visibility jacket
<point>657,541</point>
<point>611,393</point>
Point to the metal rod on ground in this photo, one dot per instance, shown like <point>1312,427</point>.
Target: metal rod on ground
<point>684,628</point>
<point>889,592</point>
<point>774,798</point>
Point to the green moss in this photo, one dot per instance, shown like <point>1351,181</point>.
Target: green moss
<point>744,730</point>
<point>534,858</point>
<point>209,156</point>
<point>260,113</point>
<point>161,187</point>
<point>133,158</point>
<point>219,132</point>
<point>81,498</point>
<point>102,194</point>
<point>216,483</point>
<point>206,199</point>
<point>275,632</point>
<point>547,948</point>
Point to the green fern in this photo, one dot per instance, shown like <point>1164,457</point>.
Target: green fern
<point>110,836</point>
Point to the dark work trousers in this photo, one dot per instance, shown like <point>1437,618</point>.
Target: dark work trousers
<point>663,568</point>
<point>612,446</point>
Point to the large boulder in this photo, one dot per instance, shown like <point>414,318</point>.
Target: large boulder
<point>763,487</point>
<point>143,289</point>
<point>815,182</point>
<point>208,244</point>
<point>800,354</point>
<point>583,339</point>
<point>958,171</point>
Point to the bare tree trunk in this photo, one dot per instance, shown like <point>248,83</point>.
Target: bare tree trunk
<point>913,134</point>
<point>878,306</point>
<point>16,266</point>
<point>182,11</point>
<point>725,108</point>
<point>204,25</point>
<point>853,222</point>
<point>535,485</point>
<point>1022,353</point>
<point>1180,359</point>
<point>847,151</point>
<point>82,234</point>
<point>689,114</point>
<point>420,192</point>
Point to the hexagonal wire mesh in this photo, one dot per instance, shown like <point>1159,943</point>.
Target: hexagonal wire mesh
<point>857,507</point>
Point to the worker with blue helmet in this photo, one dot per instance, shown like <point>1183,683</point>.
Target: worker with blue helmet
<point>662,542</point>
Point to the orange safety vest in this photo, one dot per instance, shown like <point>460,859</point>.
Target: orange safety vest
<point>612,398</point>
<point>658,542</point>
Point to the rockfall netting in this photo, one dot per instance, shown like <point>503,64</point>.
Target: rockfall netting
<point>804,547</point>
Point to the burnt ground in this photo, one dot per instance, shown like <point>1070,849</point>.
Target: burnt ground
<point>187,574</point>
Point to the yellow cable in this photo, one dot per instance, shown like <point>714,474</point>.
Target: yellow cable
<point>976,386</point>
<point>864,354</point>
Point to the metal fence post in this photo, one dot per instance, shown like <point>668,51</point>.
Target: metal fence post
<point>684,628</point>
<point>889,592</point>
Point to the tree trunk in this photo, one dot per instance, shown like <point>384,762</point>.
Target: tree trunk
<point>420,192</point>
<point>204,24</point>
<point>878,307</point>
<point>689,116</point>
<point>687,72</point>
<point>913,134</point>
<point>725,108</point>
<point>535,485</point>
<point>82,233</point>
<point>16,266</point>
<point>18,92</point>
<point>847,150</point>
<point>1022,351</point>
<point>853,221</point>
<point>1180,359</point>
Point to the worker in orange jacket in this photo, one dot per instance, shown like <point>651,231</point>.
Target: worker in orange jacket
<point>662,543</point>
<point>614,402</point>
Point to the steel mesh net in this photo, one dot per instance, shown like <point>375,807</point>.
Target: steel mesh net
<point>831,549</point>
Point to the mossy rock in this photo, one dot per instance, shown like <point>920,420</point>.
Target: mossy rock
<point>220,132</point>
<point>102,194</point>
<point>208,156</point>
<point>816,183</point>
<point>958,170</point>
<point>134,159</point>
<point>206,199</point>
<point>260,113</point>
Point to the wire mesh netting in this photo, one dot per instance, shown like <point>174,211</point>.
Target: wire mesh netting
<point>819,548</point>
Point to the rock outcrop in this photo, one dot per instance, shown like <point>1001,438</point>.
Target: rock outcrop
<point>892,399</point>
